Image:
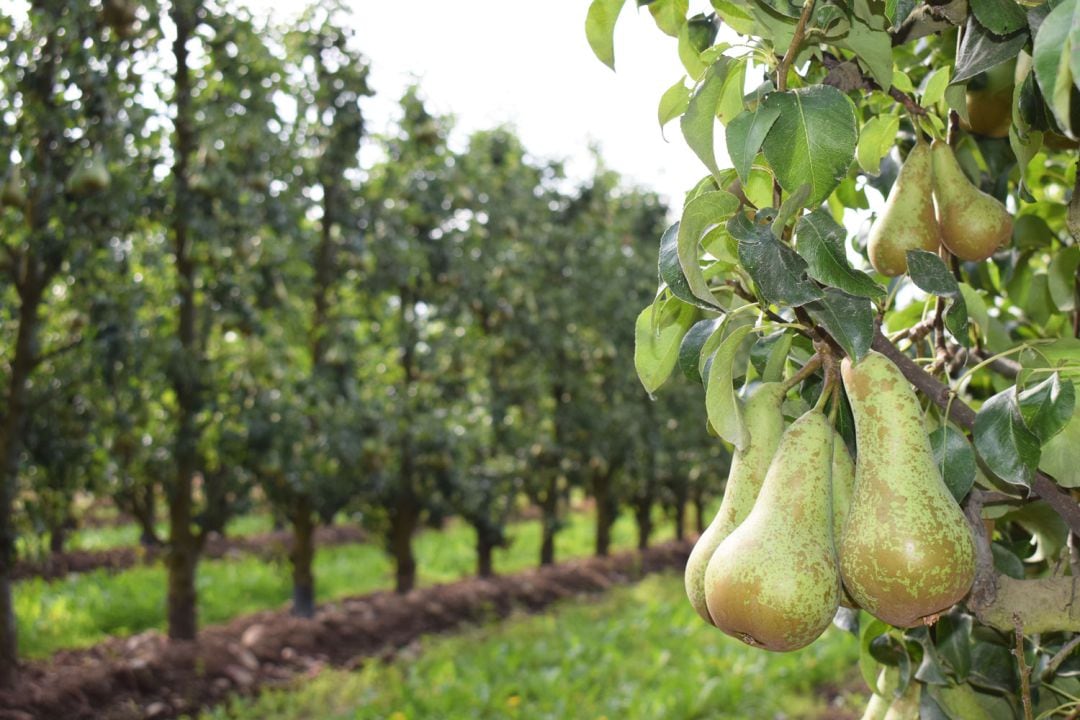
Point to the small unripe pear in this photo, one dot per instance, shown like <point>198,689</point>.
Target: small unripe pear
<point>773,582</point>
<point>973,224</point>
<point>89,177</point>
<point>906,553</point>
<point>908,221</point>
<point>764,425</point>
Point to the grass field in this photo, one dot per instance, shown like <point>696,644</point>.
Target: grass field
<point>85,609</point>
<point>638,653</point>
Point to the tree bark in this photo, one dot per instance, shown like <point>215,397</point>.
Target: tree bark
<point>183,542</point>
<point>680,520</point>
<point>302,556</point>
<point>643,516</point>
<point>146,515</point>
<point>605,515</point>
<point>403,524</point>
<point>58,538</point>
<point>700,523</point>
<point>485,550</point>
<point>549,518</point>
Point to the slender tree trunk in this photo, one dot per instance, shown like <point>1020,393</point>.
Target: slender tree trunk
<point>680,520</point>
<point>302,556</point>
<point>700,521</point>
<point>58,538</point>
<point>183,542</point>
<point>549,517</point>
<point>485,550</point>
<point>643,515</point>
<point>22,365</point>
<point>145,506</point>
<point>403,524</point>
<point>605,515</point>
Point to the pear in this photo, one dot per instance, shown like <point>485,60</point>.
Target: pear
<point>89,177</point>
<point>764,424</point>
<point>906,553</point>
<point>843,482</point>
<point>773,582</point>
<point>973,224</point>
<point>908,221</point>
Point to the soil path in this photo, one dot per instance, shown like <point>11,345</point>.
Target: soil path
<point>274,544</point>
<point>145,676</point>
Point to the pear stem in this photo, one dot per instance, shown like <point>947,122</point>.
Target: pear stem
<point>828,387</point>
<point>804,372</point>
<point>793,49</point>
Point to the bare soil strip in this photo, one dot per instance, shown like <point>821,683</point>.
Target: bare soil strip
<point>275,544</point>
<point>146,676</point>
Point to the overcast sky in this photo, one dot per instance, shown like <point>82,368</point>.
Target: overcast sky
<point>528,64</point>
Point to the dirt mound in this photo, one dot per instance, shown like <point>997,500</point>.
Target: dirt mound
<point>267,545</point>
<point>146,676</point>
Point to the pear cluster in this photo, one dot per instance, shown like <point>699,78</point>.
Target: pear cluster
<point>803,529</point>
<point>932,203</point>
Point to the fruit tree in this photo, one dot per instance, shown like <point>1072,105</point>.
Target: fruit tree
<point>880,293</point>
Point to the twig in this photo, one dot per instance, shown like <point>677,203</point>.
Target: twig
<point>1002,366</point>
<point>1059,657</point>
<point>793,49</point>
<point>962,414</point>
<point>868,83</point>
<point>1025,671</point>
<point>804,372</point>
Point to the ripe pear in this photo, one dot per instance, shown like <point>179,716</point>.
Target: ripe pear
<point>973,224</point>
<point>764,425</point>
<point>774,582</point>
<point>906,553</point>
<point>908,221</point>
<point>843,482</point>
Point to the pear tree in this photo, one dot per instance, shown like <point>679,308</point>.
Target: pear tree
<point>886,237</point>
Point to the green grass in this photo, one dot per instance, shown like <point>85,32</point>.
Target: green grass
<point>85,609</point>
<point>638,653</point>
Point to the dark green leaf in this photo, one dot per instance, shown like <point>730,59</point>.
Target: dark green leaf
<point>700,214</point>
<point>1044,525</point>
<point>671,271</point>
<point>1001,17</point>
<point>820,241</point>
<point>1006,562</point>
<point>993,667</point>
<point>930,274</point>
<point>956,319</point>
<point>778,271</point>
<point>1048,406</point>
<point>930,670</point>
<point>954,643</point>
<point>692,343</point>
<point>744,135</point>
<point>981,50</point>
<point>813,140</point>
<point>929,709</point>
<point>849,319</point>
<point>955,458</point>
<point>698,122</point>
<point>870,628</point>
<point>1005,444</point>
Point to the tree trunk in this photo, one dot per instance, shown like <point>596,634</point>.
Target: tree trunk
<point>183,543</point>
<point>643,515</point>
<point>58,538</point>
<point>549,517</point>
<point>22,364</point>
<point>680,520</point>
<point>145,508</point>
<point>485,549</point>
<point>605,515</point>
<point>302,555</point>
<point>700,521</point>
<point>403,524</point>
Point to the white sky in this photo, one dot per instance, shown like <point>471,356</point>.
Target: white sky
<point>527,64</point>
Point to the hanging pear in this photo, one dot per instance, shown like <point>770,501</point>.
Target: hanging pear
<point>908,221</point>
<point>773,582</point>
<point>764,425</point>
<point>89,177</point>
<point>973,224</point>
<point>906,553</point>
<point>843,482</point>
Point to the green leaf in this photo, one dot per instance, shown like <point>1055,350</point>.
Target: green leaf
<point>953,633</point>
<point>698,122</point>
<point>820,241</point>
<point>981,50</point>
<point>778,355</point>
<point>1007,562</point>
<point>1048,530</point>
<point>1048,406</point>
<point>930,274</point>
<point>723,410</point>
<point>813,140</point>
<point>935,85</point>
<point>1052,58</point>
<point>670,15</point>
<point>696,36</point>
<point>875,141</point>
<point>700,214</point>
<point>870,628</point>
<point>955,458</point>
<point>778,271</point>
<point>1061,456</point>
<point>1062,278</point>
<point>673,103</point>
<point>671,272</point>
<point>930,670</point>
<point>693,343</point>
<point>849,319</point>
<point>744,135</point>
<point>1001,17</point>
<point>657,351</point>
<point>731,102</point>
<point>873,49</point>
<point>600,29</point>
<point>1005,444</point>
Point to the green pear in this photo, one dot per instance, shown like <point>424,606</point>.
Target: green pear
<point>773,582</point>
<point>906,553</point>
<point>908,221</point>
<point>973,224</point>
<point>89,177</point>
<point>843,482</point>
<point>764,425</point>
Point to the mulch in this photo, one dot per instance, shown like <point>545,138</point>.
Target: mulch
<point>146,676</point>
<point>266,545</point>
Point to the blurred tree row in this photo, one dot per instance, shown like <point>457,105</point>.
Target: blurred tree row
<point>206,299</point>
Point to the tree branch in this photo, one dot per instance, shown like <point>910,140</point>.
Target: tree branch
<point>865,82</point>
<point>793,49</point>
<point>960,413</point>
